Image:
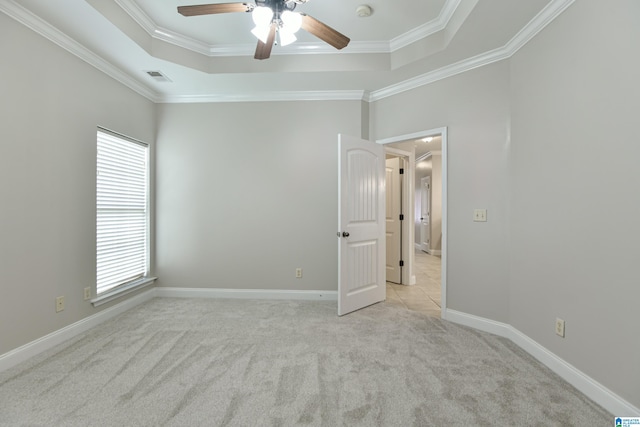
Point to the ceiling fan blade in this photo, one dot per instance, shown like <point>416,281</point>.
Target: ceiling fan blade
<point>210,9</point>
<point>263,50</point>
<point>324,32</point>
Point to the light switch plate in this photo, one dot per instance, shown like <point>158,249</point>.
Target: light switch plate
<point>480,215</point>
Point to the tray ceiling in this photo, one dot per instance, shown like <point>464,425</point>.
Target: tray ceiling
<point>403,44</point>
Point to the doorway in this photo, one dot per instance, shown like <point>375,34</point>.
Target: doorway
<point>427,269</point>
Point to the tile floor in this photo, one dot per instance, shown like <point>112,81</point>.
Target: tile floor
<point>424,296</point>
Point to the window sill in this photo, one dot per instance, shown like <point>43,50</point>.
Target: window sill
<point>122,290</point>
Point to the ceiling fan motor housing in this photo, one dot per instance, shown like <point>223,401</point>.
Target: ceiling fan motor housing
<point>278,6</point>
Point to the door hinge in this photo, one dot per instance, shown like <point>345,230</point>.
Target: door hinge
<point>401,217</point>
<point>401,263</point>
<point>401,171</point>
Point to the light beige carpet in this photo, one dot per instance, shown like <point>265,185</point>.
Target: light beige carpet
<point>208,362</point>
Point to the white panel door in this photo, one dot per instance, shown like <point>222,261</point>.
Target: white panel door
<point>425,214</point>
<point>393,208</point>
<point>361,222</point>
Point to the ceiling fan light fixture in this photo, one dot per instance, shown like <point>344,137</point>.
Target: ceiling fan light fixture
<point>262,16</point>
<point>271,17</point>
<point>291,21</point>
<point>261,33</point>
<point>286,37</point>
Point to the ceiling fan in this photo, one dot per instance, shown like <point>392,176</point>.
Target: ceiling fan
<point>271,16</point>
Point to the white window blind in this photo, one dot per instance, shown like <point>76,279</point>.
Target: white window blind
<point>122,214</point>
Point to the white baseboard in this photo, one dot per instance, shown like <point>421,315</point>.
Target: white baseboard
<point>46,342</point>
<point>481,323</point>
<point>587,385</point>
<point>246,294</point>
<point>433,252</point>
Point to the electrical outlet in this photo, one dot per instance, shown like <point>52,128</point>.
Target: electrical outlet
<point>59,304</point>
<point>560,327</point>
<point>298,273</point>
<point>480,215</point>
<point>87,293</point>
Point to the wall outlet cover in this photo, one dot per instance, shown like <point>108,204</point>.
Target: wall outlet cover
<point>59,304</point>
<point>560,327</point>
<point>480,215</point>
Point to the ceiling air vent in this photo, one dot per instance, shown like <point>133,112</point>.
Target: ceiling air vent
<point>158,76</point>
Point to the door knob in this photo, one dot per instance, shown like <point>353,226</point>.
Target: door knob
<point>345,234</point>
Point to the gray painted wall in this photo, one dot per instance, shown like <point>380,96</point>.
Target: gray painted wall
<point>475,108</point>
<point>47,178</point>
<point>247,192</point>
<point>574,196</point>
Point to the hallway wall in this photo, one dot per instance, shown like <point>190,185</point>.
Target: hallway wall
<point>474,106</point>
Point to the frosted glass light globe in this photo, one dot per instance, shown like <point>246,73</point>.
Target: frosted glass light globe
<point>262,16</point>
<point>291,21</point>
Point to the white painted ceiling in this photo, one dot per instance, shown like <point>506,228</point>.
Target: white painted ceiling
<point>209,58</point>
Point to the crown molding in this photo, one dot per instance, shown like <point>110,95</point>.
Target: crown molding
<point>427,29</point>
<point>428,154</point>
<point>160,33</point>
<point>439,74</point>
<point>180,40</point>
<point>46,30</point>
<point>336,95</point>
<point>537,24</point>
<point>248,49</point>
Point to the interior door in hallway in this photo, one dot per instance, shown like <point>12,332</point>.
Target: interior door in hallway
<point>425,214</point>
<point>361,222</point>
<point>393,210</point>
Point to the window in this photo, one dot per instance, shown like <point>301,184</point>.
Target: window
<point>122,225</point>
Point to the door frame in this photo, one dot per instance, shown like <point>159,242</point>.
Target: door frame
<point>442,131</point>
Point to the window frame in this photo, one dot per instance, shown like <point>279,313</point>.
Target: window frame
<point>140,278</point>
